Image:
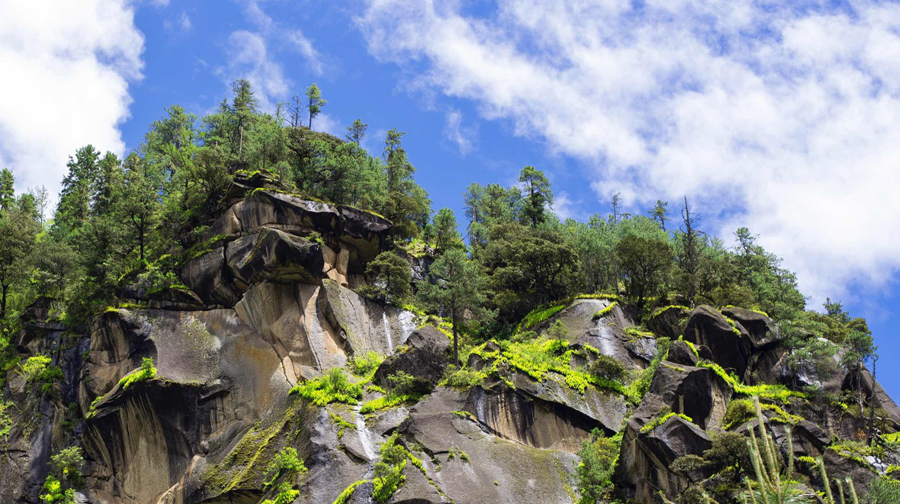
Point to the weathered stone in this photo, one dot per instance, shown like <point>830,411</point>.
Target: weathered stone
<point>696,392</point>
<point>670,322</point>
<point>681,353</point>
<point>275,255</point>
<point>760,328</point>
<point>729,345</point>
<point>426,358</point>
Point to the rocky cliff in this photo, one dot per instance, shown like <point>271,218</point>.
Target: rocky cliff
<point>243,354</point>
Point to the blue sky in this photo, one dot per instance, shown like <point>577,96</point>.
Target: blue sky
<point>781,116</point>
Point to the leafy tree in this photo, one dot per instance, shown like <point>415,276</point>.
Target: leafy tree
<point>356,131</point>
<point>407,204</point>
<point>644,262</point>
<point>77,192</point>
<point>488,206</point>
<point>243,110</point>
<point>18,232</point>
<point>446,235</point>
<point>859,349</point>
<point>527,267</point>
<point>598,460</point>
<point>314,102</point>
<point>774,288</point>
<point>456,285</point>
<point>389,278</point>
<point>660,213</point>
<point>537,195</point>
<point>140,201</point>
<point>7,189</point>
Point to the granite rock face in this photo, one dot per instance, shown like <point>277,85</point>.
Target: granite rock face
<point>268,304</point>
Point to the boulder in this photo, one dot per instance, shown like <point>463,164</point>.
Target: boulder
<point>760,328</point>
<point>425,359</point>
<point>275,255</point>
<point>645,457</point>
<point>210,278</point>
<point>681,353</point>
<point>696,392</point>
<point>670,321</point>
<point>729,345</point>
<point>497,470</point>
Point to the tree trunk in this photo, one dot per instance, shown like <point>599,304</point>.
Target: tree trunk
<point>141,239</point>
<point>3,307</point>
<point>452,317</point>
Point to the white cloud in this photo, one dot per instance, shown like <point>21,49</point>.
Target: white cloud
<point>305,47</point>
<point>565,208</point>
<point>248,58</point>
<point>185,21</point>
<point>67,68</point>
<point>782,116</point>
<point>461,136</point>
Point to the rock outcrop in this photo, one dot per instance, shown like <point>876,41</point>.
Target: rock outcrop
<point>268,312</point>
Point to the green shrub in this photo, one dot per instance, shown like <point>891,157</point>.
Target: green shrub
<point>558,331</point>
<point>146,372</point>
<point>333,387</point>
<point>464,378</point>
<point>739,411</point>
<point>607,368</point>
<point>52,492</point>
<point>344,497</point>
<point>67,465</point>
<point>363,365</point>
<point>882,490</point>
<point>34,366</point>
<point>285,463</point>
<point>598,461</point>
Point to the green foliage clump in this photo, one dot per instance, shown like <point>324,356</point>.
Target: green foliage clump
<point>639,387</point>
<point>52,492</point>
<point>345,495</point>
<point>882,490</point>
<point>537,358</point>
<point>333,387</point>
<point>461,378</point>
<point>388,401</point>
<point>662,418</point>
<point>598,455</point>
<point>66,465</point>
<point>34,367</point>
<point>146,372</point>
<point>389,279</point>
<point>6,422</point>
<point>599,314</point>
<point>765,390</point>
<point>537,316</point>
<point>389,469</point>
<point>364,365</point>
<point>607,368</point>
<point>285,464</point>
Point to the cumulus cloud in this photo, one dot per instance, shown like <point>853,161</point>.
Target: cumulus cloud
<point>781,116</point>
<point>67,70</point>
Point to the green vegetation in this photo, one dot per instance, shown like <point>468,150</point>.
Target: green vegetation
<point>455,284</point>
<point>389,469</point>
<point>146,372</point>
<point>364,365</point>
<point>598,455</point>
<point>345,495</point>
<point>333,387</point>
<point>64,478</point>
<point>662,418</point>
<point>389,279</point>
<point>766,391</point>
<point>605,311</point>
<point>535,359</point>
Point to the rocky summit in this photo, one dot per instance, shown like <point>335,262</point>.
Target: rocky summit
<point>265,376</point>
